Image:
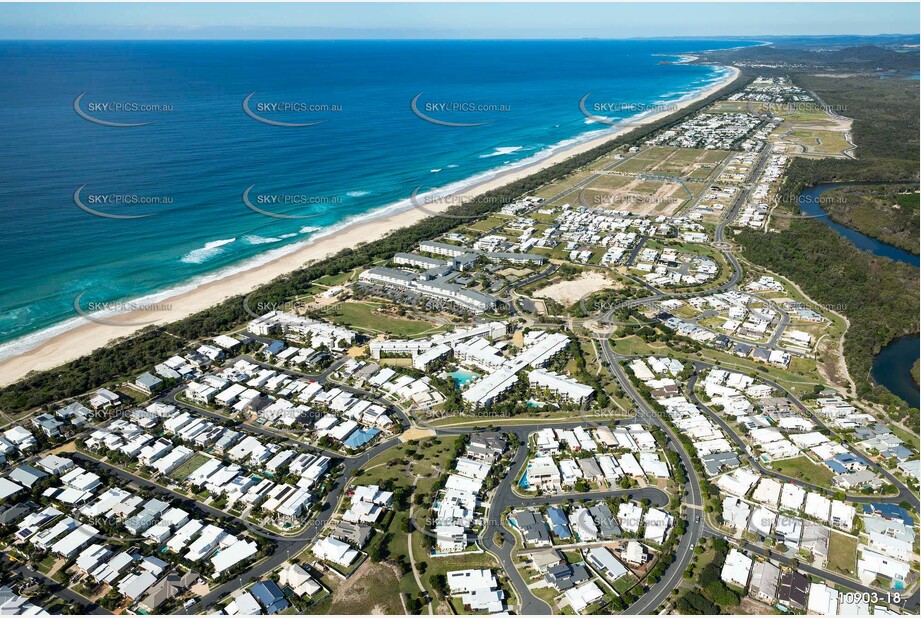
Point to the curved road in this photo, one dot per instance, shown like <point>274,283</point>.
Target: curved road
<point>692,499</point>
<point>904,493</point>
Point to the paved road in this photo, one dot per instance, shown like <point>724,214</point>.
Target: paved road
<point>659,591</point>
<point>512,294</point>
<point>905,495</point>
<point>286,547</point>
<point>635,251</point>
<point>656,497</point>
<point>504,498</point>
<point>910,603</point>
<point>754,462</point>
<point>529,604</point>
<point>85,605</point>
<point>591,179</point>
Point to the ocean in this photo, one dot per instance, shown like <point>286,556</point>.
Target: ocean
<point>108,214</point>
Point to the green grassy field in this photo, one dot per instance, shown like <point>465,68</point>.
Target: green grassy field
<point>424,458</point>
<point>610,181</point>
<point>842,554</point>
<point>489,223</point>
<point>337,279</point>
<point>420,460</point>
<point>806,469</point>
<point>821,142</point>
<point>646,160</point>
<point>723,107</point>
<point>190,466</point>
<point>361,316</point>
<point>635,345</point>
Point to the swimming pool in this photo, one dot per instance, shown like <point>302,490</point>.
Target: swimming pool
<point>461,377</point>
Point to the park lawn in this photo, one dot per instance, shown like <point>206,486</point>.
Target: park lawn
<point>362,316</point>
<point>798,384</point>
<point>337,279</point>
<point>440,565</point>
<point>842,554</point>
<point>437,453</point>
<point>905,435</point>
<point>547,594</point>
<point>805,469</point>
<point>193,464</point>
<point>635,345</point>
<point>624,583</point>
<point>589,354</point>
<point>686,311</point>
<point>485,225</point>
<point>713,322</point>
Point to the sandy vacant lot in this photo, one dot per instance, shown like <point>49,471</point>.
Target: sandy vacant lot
<point>569,292</point>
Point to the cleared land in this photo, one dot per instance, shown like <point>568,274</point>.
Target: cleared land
<point>569,292</point>
<point>657,180</point>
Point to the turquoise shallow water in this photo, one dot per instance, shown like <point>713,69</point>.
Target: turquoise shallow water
<point>200,151</point>
<point>462,377</point>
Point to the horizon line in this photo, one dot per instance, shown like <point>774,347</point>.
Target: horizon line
<point>762,38</point>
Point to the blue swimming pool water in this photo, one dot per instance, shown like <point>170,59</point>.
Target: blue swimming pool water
<point>524,482</point>
<point>461,377</point>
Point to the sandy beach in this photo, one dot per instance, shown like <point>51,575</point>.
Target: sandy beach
<point>89,336</point>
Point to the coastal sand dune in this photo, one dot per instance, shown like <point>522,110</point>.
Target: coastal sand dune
<point>87,337</point>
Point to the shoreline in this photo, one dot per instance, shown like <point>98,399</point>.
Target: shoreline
<point>84,338</point>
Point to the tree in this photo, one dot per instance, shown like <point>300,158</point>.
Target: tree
<point>439,583</point>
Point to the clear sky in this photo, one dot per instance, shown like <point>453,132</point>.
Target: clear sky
<point>443,20</point>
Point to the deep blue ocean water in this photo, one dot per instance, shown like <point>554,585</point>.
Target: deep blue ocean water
<point>202,151</point>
